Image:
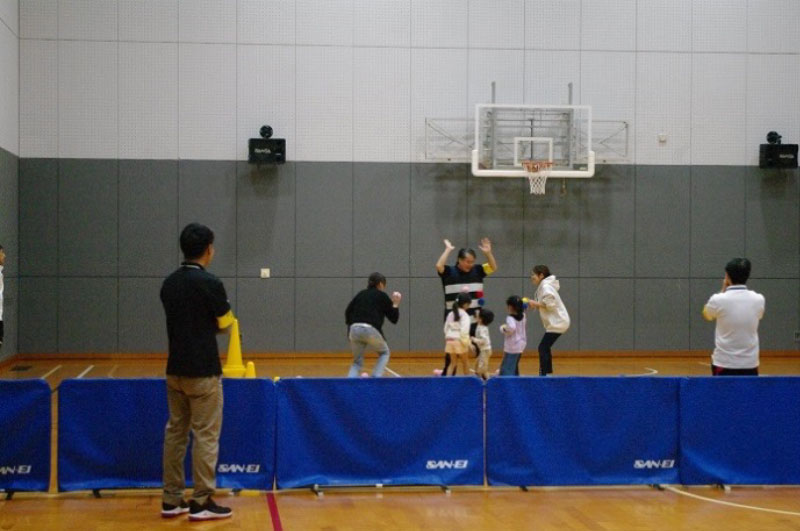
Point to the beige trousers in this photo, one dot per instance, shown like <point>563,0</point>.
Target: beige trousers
<point>196,404</point>
<point>482,365</point>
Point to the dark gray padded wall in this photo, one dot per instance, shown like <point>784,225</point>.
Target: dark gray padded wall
<point>9,239</point>
<point>606,318</point>
<point>324,214</point>
<point>607,223</point>
<point>148,217</point>
<point>10,316</point>
<point>9,211</point>
<point>438,211</point>
<point>381,213</point>
<point>718,218</point>
<point>38,315</point>
<point>142,324</point>
<point>425,309</point>
<point>266,314</point>
<point>781,314</point>
<point>495,210</point>
<point>772,230</point>
<point>87,218</point>
<point>319,313</point>
<point>207,195</point>
<point>663,210</point>
<point>87,315</point>
<point>38,217</point>
<point>552,229</point>
<point>701,332</point>
<point>661,318</point>
<point>265,219</point>
<point>638,249</point>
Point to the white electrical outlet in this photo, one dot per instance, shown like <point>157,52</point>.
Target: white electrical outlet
<point>265,272</point>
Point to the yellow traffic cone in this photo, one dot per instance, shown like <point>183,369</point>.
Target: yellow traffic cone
<point>250,372</point>
<point>233,365</point>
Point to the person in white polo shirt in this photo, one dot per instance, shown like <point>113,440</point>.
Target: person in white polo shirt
<point>737,311</point>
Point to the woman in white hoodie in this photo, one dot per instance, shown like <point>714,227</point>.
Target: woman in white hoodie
<point>555,318</point>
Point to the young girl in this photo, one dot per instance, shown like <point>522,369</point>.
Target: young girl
<point>484,342</point>
<point>515,336</point>
<point>555,318</point>
<point>456,333</point>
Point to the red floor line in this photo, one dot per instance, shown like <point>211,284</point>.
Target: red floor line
<point>273,512</point>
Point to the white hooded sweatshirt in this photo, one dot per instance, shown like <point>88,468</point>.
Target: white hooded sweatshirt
<point>553,312</point>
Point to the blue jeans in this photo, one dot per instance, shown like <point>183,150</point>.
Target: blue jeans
<point>510,364</point>
<point>363,336</point>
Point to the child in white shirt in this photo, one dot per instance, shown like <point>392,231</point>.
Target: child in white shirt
<point>515,336</point>
<point>484,342</point>
<point>456,333</point>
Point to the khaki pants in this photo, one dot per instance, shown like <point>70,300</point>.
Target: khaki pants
<point>194,403</point>
<point>482,366</point>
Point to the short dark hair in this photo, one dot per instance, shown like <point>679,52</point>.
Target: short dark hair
<point>738,270</point>
<point>486,316</point>
<point>375,279</point>
<point>515,301</point>
<point>195,239</point>
<point>463,252</point>
<point>541,270</point>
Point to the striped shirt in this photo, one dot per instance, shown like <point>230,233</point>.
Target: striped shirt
<point>455,281</point>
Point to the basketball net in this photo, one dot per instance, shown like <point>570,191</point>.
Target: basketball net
<point>538,171</point>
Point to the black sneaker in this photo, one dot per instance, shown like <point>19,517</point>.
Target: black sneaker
<point>208,511</point>
<point>171,511</point>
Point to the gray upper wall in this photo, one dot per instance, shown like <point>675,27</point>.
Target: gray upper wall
<point>354,80</point>
<point>639,249</point>
<point>9,76</point>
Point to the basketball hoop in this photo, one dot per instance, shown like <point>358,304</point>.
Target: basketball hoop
<point>538,171</point>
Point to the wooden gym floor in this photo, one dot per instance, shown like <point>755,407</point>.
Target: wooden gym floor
<point>628,508</point>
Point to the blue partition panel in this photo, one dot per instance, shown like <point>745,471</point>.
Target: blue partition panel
<point>581,431</point>
<point>404,431</point>
<point>247,443</point>
<point>111,434</point>
<point>24,435</point>
<point>742,430</point>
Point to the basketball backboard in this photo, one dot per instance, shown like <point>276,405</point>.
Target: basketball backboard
<point>507,135</point>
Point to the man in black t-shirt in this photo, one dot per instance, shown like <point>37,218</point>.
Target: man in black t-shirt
<point>364,318</point>
<point>197,308</point>
<point>465,277</point>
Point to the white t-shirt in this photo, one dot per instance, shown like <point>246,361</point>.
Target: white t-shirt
<point>482,339</point>
<point>737,311</point>
<point>457,330</point>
